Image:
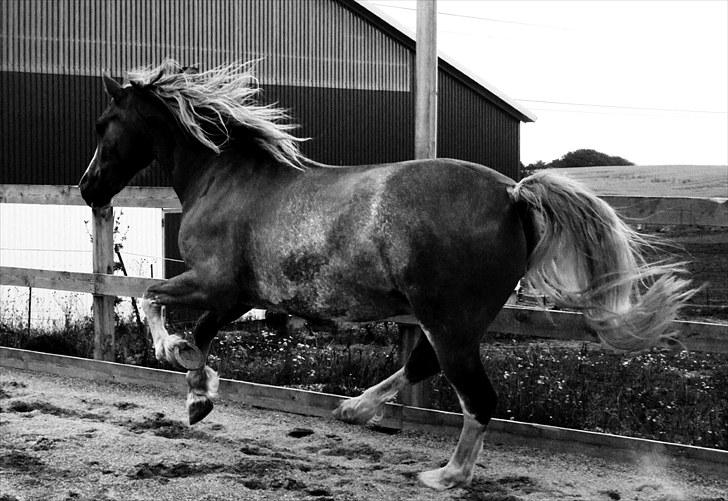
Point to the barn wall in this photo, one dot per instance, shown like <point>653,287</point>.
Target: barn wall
<point>315,43</point>
<point>346,77</point>
<point>47,125</point>
<point>471,128</point>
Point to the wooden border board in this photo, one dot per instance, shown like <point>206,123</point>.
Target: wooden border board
<point>396,416</point>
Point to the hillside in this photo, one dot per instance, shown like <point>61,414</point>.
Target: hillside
<point>704,181</point>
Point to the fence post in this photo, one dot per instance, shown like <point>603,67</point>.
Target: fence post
<point>30,307</point>
<point>103,262</point>
<point>417,395</point>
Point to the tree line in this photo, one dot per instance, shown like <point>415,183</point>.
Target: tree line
<point>577,158</point>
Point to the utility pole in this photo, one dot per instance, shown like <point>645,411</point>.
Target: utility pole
<point>426,80</point>
<point>425,147</point>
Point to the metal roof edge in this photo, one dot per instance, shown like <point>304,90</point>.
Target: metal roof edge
<point>394,28</point>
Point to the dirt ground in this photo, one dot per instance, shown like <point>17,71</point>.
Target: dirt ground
<point>69,439</point>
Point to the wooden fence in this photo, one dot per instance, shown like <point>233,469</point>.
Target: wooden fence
<point>517,320</point>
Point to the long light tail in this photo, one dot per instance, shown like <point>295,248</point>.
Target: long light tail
<point>587,258</point>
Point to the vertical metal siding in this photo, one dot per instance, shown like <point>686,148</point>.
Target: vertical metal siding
<point>84,37</point>
<point>471,128</point>
<point>347,81</point>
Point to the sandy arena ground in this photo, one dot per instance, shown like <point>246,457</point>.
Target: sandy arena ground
<point>69,439</point>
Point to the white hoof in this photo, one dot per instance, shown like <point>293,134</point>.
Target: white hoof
<point>359,410</point>
<point>164,348</point>
<point>179,352</point>
<point>443,479</point>
<point>212,380</point>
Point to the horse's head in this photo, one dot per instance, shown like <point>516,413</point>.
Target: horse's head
<point>124,146</point>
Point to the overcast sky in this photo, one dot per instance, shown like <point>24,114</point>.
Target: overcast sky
<point>645,80</point>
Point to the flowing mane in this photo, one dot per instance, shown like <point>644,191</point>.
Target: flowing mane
<point>211,103</point>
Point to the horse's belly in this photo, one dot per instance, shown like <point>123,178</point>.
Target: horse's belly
<point>349,309</point>
<point>350,291</point>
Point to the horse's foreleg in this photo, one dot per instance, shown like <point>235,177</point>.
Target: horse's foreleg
<point>169,347</point>
<point>202,383</point>
<point>180,290</point>
<point>367,407</point>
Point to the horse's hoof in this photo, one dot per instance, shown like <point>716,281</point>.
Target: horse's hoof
<point>356,411</point>
<point>436,479</point>
<point>188,356</point>
<point>337,413</point>
<point>345,412</point>
<point>199,409</point>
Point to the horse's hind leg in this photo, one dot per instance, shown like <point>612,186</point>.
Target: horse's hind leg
<point>463,368</point>
<point>367,407</point>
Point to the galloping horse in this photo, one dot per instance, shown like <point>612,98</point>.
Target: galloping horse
<point>443,240</point>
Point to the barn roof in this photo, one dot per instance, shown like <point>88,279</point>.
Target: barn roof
<point>447,63</point>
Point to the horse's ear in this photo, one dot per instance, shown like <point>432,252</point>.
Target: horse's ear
<point>113,88</point>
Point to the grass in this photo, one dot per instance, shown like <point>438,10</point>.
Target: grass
<point>301,360</point>
<point>76,339</point>
<point>668,396</point>
<point>708,181</point>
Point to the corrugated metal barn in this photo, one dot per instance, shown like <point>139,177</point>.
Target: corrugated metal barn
<point>345,73</point>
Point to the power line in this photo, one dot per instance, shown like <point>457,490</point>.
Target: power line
<point>586,112</point>
<point>565,103</point>
<point>42,250</point>
<point>479,18</point>
<point>621,107</point>
<point>606,112</point>
<point>157,258</point>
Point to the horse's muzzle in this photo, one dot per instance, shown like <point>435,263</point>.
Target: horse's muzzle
<point>90,192</point>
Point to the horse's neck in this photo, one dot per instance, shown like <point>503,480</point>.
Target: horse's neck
<point>193,170</point>
<point>186,162</point>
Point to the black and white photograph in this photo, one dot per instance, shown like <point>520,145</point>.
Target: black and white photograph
<point>363,250</point>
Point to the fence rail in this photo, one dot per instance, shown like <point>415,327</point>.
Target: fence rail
<point>516,320</point>
<point>669,211</point>
<point>131,196</point>
<point>645,210</point>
